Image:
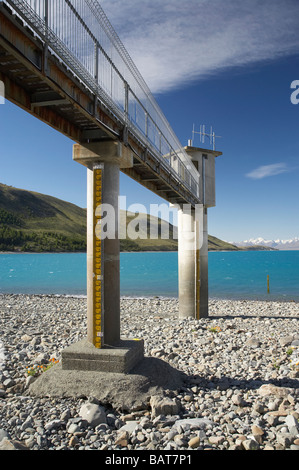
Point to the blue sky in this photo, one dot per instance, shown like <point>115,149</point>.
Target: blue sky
<point>226,64</point>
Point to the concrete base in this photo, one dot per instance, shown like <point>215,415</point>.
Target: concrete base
<point>124,392</point>
<point>122,358</point>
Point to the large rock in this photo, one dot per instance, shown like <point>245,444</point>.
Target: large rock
<point>192,423</point>
<point>269,390</point>
<point>3,434</point>
<point>292,424</point>
<point>163,406</point>
<point>8,444</point>
<point>93,414</point>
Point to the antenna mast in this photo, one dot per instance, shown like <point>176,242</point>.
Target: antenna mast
<point>202,132</point>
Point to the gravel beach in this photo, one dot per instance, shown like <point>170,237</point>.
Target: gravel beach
<point>241,365</point>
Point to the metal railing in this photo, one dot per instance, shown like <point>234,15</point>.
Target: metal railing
<point>80,34</point>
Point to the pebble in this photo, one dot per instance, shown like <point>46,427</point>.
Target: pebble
<point>241,366</point>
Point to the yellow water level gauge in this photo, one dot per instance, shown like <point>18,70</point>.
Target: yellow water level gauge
<point>98,314</point>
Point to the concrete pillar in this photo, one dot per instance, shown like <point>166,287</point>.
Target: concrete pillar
<point>187,261</point>
<point>103,161</point>
<point>193,255</point>
<point>193,262</point>
<point>103,270</point>
<point>203,298</point>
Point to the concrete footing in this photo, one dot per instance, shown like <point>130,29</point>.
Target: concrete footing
<point>121,358</point>
<point>124,392</point>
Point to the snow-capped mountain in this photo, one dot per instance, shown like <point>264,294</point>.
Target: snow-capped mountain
<point>292,244</point>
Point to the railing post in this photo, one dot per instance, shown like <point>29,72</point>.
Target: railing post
<point>96,62</point>
<point>146,125</point>
<point>126,111</point>
<point>96,74</point>
<point>46,46</point>
<point>47,12</point>
<point>126,85</point>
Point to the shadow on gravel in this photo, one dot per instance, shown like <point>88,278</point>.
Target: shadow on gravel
<point>225,383</point>
<point>259,317</point>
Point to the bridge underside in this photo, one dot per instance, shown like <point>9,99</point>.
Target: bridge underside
<point>42,85</point>
<point>39,83</point>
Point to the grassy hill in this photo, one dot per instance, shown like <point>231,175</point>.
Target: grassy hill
<point>31,221</point>
<point>34,222</point>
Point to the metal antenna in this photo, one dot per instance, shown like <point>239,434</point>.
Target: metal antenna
<point>202,132</point>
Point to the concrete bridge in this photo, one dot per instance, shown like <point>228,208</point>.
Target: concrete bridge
<point>62,61</point>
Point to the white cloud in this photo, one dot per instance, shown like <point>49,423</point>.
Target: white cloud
<point>173,42</point>
<point>268,170</point>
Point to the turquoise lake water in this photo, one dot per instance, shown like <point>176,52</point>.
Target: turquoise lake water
<point>235,275</point>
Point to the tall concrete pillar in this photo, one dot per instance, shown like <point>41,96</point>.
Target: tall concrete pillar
<point>187,261</point>
<point>193,256</point>
<point>103,161</point>
<point>103,269</point>
<point>203,268</point>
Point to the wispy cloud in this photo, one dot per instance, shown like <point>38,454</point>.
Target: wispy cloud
<point>268,170</point>
<point>174,42</point>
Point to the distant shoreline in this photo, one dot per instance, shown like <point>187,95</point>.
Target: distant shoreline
<point>153,297</point>
<point>41,252</point>
<point>152,251</point>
